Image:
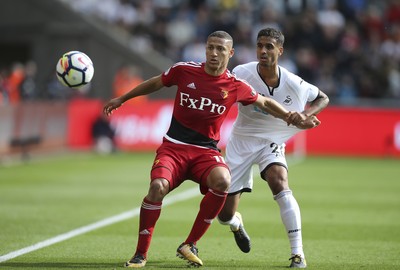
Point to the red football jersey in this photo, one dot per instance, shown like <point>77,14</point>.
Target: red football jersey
<point>202,102</point>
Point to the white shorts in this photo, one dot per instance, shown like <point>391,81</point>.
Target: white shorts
<point>243,152</point>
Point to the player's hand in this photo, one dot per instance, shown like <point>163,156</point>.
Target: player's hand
<point>112,105</point>
<point>295,118</point>
<point>310,122</point>
<point>303,121</point>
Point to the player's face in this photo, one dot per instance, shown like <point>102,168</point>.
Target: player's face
<point>268,51</point>
<point>218,52</point>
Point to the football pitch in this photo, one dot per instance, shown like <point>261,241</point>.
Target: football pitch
<point>80,211</point>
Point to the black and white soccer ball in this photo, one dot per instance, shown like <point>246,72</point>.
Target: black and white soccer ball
<point>75,69</point>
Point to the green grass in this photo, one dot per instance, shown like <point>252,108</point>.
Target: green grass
<point>350,213</point>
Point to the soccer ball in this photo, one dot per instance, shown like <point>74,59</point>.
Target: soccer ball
<point>75,69</point>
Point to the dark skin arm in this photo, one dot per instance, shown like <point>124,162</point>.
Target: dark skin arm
<point>307,119</point>
<point>297,119</point>
<point>272,107</point>
<point>317,105</point>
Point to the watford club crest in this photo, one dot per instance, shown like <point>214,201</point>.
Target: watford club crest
<point>224,93</point>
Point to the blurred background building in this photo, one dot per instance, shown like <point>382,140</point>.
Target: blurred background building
<point>348,48</point>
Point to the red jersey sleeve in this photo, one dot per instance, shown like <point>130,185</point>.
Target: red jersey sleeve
<point>245,93</point>
<point>169,77</point>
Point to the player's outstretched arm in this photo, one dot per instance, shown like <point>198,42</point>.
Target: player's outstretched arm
<point>273,107</point>
<point>145,88</point>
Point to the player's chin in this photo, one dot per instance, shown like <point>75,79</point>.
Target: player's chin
<point>264,62</point>
<point>214,63</point>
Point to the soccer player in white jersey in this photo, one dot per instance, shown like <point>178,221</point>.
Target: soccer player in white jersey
<point>259,138</point>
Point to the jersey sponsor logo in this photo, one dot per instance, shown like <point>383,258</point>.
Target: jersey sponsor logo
<point>224,94</point>
<point>257,109</point>
<point>201,104</point>
<point>191,85</point>
<point>288,100</point>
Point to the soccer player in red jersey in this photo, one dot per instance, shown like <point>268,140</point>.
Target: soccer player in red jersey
<point>206,92</point>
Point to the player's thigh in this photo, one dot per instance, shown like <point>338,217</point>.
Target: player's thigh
<point>273,162</point>
<point>208,168</point>
<point>241,154</point>
<point>171,164</point>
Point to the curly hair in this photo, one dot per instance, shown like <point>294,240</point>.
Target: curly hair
<point>273,33</point>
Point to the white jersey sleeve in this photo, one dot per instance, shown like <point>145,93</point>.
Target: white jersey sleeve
<point>292,92</point>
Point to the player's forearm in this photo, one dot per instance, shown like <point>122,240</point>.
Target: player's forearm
<point>274,108</point>
<point>147,87</point>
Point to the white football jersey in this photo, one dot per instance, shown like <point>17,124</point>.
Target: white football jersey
<point>292,92</point>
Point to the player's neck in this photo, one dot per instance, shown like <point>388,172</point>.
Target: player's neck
<point>214,72</point>
<point>270,74</point>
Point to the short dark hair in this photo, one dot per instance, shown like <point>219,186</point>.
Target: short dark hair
<point>221,34</point>
<point>273,33</point>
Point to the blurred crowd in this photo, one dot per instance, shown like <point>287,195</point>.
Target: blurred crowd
<point>348,48</point>
<point>18,83</point>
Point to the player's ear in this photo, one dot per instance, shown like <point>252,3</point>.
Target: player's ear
<point>231,53</point>
<point>280,51</point>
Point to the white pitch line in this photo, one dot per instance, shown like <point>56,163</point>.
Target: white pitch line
<point>190,193</point>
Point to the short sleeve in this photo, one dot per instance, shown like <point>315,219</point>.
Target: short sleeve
<point>312,91</point>
<point>246,93</point>
<point>169,76</point>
